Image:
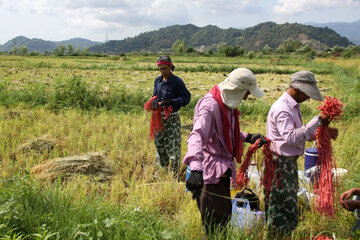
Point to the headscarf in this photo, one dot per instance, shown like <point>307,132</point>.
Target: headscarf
<point>164,59</point>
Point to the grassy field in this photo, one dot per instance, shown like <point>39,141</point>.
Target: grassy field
<point>96,104</point>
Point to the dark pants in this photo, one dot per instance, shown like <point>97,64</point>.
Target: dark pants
<point>215,209</point>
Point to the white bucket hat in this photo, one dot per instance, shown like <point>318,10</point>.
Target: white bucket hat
<point>305,82</point>
<point>235,86</point>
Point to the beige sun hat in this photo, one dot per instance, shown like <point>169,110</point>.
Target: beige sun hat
<point>305,81</point>
<point>235,86</point>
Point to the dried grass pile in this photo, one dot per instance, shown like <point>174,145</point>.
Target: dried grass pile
<point>95,165</point>
<point>38,145</point>
<point>44,144</point>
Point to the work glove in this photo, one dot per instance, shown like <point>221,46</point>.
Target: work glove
<point>155,104</point>
<point>195,183</point>
<point>251,138</point>
<point>167,102</point>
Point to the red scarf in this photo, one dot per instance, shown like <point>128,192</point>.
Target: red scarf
<point>227,126</point>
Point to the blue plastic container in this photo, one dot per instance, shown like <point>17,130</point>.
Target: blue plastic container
<point>188,172</point>
<point>311,157</point>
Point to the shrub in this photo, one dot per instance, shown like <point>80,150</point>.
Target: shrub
<point>74,92</point>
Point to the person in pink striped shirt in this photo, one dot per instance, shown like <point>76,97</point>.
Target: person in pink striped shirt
<point>213,144</point>
<point>285,129</point>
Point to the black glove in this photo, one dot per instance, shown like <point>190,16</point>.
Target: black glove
<point>195,183</point>
<point>155,104</point>
<point>251,138</point>
<point>167,102</point>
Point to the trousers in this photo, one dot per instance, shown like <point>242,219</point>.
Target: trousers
<point>168,143</point>
<point>215,205</point>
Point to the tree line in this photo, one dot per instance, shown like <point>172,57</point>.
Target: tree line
<point>286,47</point>
<point>179,47</point>
<point>61,50</point>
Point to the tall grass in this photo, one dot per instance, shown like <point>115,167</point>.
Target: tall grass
<point>140,202</point>
<point>73,92</point>
<point>34,210</point>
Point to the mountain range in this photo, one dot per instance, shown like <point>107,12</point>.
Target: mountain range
<point>351,30</point>
<point>253,38</point>
<point>42,46</point>
<point>317,35</point>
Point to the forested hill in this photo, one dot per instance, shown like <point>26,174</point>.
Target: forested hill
<point>268,33</point>
<point>39,45</point>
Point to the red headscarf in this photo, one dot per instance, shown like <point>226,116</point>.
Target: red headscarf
<point>164,59</point>
<point>227,126</point>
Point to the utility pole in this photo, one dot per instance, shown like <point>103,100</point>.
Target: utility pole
<point>145,42</point>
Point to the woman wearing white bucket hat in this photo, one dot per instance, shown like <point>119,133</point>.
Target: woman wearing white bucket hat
<point>285,129</point>
<point>213,144</point>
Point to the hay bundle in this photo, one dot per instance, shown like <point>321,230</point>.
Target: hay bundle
<point>44,144</point>
<point>38,145</point>
<point>94,164</point>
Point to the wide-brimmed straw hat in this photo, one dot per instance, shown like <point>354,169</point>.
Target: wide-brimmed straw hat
<point>305,81</point>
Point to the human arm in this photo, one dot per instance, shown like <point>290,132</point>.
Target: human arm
<point>348,203</point>
<point>183,95</point>
<point>351,205</point>
<point>291,129</point>
<point>155,103</point>
<point>199,136</point>
<point>347,194</point>
<point>197,139</point>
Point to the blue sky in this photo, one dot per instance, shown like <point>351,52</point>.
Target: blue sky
<point>58,20</point>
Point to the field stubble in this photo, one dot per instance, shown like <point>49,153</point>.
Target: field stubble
<point>137,184</point>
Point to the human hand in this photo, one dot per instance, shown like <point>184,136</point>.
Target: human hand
<point>350,205</point>
<point>195,183</point>
<point>333,132</point>
<point>347,194</point>
<point>155,104</point>
<point>324,118</point>
<point>167,102</point>
<point>251,138</point>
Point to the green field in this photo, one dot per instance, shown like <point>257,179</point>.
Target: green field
<point>96,104</point>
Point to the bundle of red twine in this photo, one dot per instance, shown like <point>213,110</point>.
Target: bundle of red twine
<point>156,124</point>
<point>242,177</point>
<point>324,188</point>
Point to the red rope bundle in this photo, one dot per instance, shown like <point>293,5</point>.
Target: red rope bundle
<point>156,123</point>
<point>269,172</point>
<point>324,189</point>
<point>333,107</point>
<point>242,178</point>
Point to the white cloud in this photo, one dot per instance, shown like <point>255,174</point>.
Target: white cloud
<point>229,7</point>
<point>126,18</point>
<point>107,15</point>
<point>291,7</point>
